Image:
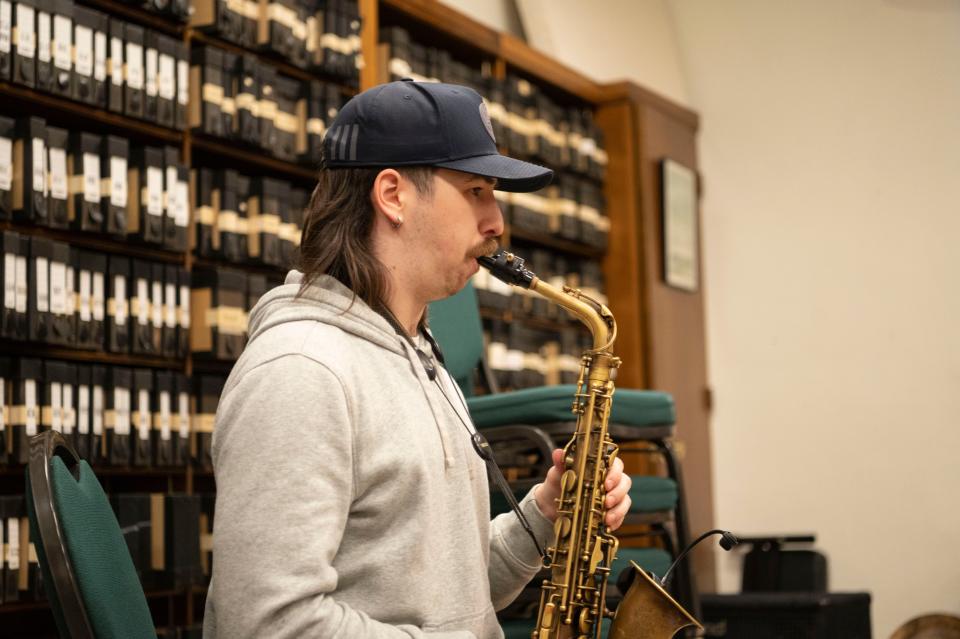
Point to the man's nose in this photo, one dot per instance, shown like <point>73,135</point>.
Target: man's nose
<point>491,224</point>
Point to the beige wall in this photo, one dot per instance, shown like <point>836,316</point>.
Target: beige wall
<point>830,147</point>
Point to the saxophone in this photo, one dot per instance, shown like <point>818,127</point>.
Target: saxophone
<point>573,597</point>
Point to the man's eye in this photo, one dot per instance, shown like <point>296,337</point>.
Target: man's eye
<point>477,190</point>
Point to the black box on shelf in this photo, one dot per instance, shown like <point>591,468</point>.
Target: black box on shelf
<point>44,38</point>
<point>228,108</point>
<point>30,180</point>
<point>247,99</point>
<point>25,43</point>
<point>162,431</point>
<point>28,390</point>
<point>38,284</point>
<point>182,53</point>
<point>141,417</point>
<point>6,55</point>
<point>206,208</point>
<point>61,295</point>
<point>170,330</point>
<point>266,78</point>
<point>87,23</point>
<point>141,327</point>
<point>181,528</point>
<point>116,418</point>
<point>68,403</point>
<point>6,395</point>
<point>207,509</point>
<point>156,308</point>
<point>243,218</point>
<point>151,64</point>
<point>145,201</point>
<point>85,207</point>
<point>565,199</point>
<point>115,87</point>
<point>12,512</point>
<point>207,91</point>
<point>62,48</point>
<point>133,516</point>
<point>229,226</point>
<point>51,404</point>
<point>166,80</point>
<point>118,321</point>
<point>290,119</point>
<point>264,224</point>
<point>58,177</point>
<point>218,303</point>
<point>256,288</point>
<point>180,435</point>
<point>222,17</point>
<point>13,310</point>
<point>208,389</point>
<point>100,23</point>
<point>84,412</point>
<point>8,135</point>
<point>115,184</point>
<point>98,404</point>
<point>133,71</point>
<point>91,304</point>
<point>176,184</point>
<point>183,313</point>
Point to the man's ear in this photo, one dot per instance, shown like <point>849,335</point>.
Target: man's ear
<point>389,195</point>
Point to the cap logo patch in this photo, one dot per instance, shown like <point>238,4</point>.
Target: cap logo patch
<point>485,117</point>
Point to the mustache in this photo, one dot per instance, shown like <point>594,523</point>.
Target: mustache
<point>486,247</point>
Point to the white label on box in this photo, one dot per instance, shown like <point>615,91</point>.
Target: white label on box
<point>118,181</point>
<point>83,409</point>
<point>6,164</point>
<point>6,26</point>
<point>69,413</point>
<point>13,544</point>
<point>170,306</point>
<point>69,286</point>
<point>143,413</point>
<point>165,416</point>
<point>85,280</point>
<point>39,165</point>
<point>167,78</point>
<point>21,284</point>
<point>62,42</point>
<point>120,299</point>
<point>116,62</point>
<point>43,285</point>
<point>58,294</point>
<point>30,403</point>
<point>143,302</point>
<point>170,191</point>
<point>58,174</point>
<point>181,214</point>
<point>97,299</point>
<point>84,50</point>
<point>183,415</point>
<point>121,406</point>
<point>154,190</point>
<point>43,36</point>
<point>134,66</point>
<point>156,296</point>
<point>151,71</point>
<point>91,178</point>
<point>185,307</point>
<point>100,56</point>
<point>56,406</point>
<point>26,41</point>
<point>97,410</point>
<point>9,281</point>
<point>183,82</point>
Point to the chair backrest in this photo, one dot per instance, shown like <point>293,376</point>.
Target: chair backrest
<point>91,581</point>
<point>455,324</point>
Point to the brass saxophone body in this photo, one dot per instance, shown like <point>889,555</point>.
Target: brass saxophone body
<point>573,596</point>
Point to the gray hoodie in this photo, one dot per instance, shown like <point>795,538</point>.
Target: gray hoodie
<point>350,502</point>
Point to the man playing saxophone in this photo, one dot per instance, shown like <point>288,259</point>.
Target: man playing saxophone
<point>350,500</point>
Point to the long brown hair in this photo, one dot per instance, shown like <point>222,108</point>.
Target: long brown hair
<point>337,229</point>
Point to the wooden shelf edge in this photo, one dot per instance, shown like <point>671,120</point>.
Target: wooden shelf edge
<point>215,146</point>
<point>137,15</point>
<point>627,90</point>
<point>546,241</point>
<point>66,353</point>
<point>450,21</point>
<point>519,54</point>
<point>98,242</point>
<point>71,108</point>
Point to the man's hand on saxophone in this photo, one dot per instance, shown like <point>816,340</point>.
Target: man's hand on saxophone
<point>617,486</point>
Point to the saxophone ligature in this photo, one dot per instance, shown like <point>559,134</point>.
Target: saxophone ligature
<point>573,596</point>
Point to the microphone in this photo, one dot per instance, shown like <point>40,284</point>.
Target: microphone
<point>727,541</point>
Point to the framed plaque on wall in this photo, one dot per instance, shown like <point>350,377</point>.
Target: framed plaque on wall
<point>681,266</point>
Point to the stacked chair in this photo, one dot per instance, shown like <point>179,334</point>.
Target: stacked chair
<point>641,421</point>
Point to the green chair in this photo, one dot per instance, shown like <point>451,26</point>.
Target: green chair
<point>637,415</point>
<point>89,576</point>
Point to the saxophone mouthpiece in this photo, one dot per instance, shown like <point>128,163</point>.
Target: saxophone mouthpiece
<point>507,267</point>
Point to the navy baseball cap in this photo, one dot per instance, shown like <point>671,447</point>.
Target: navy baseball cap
<point>407,123</point>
